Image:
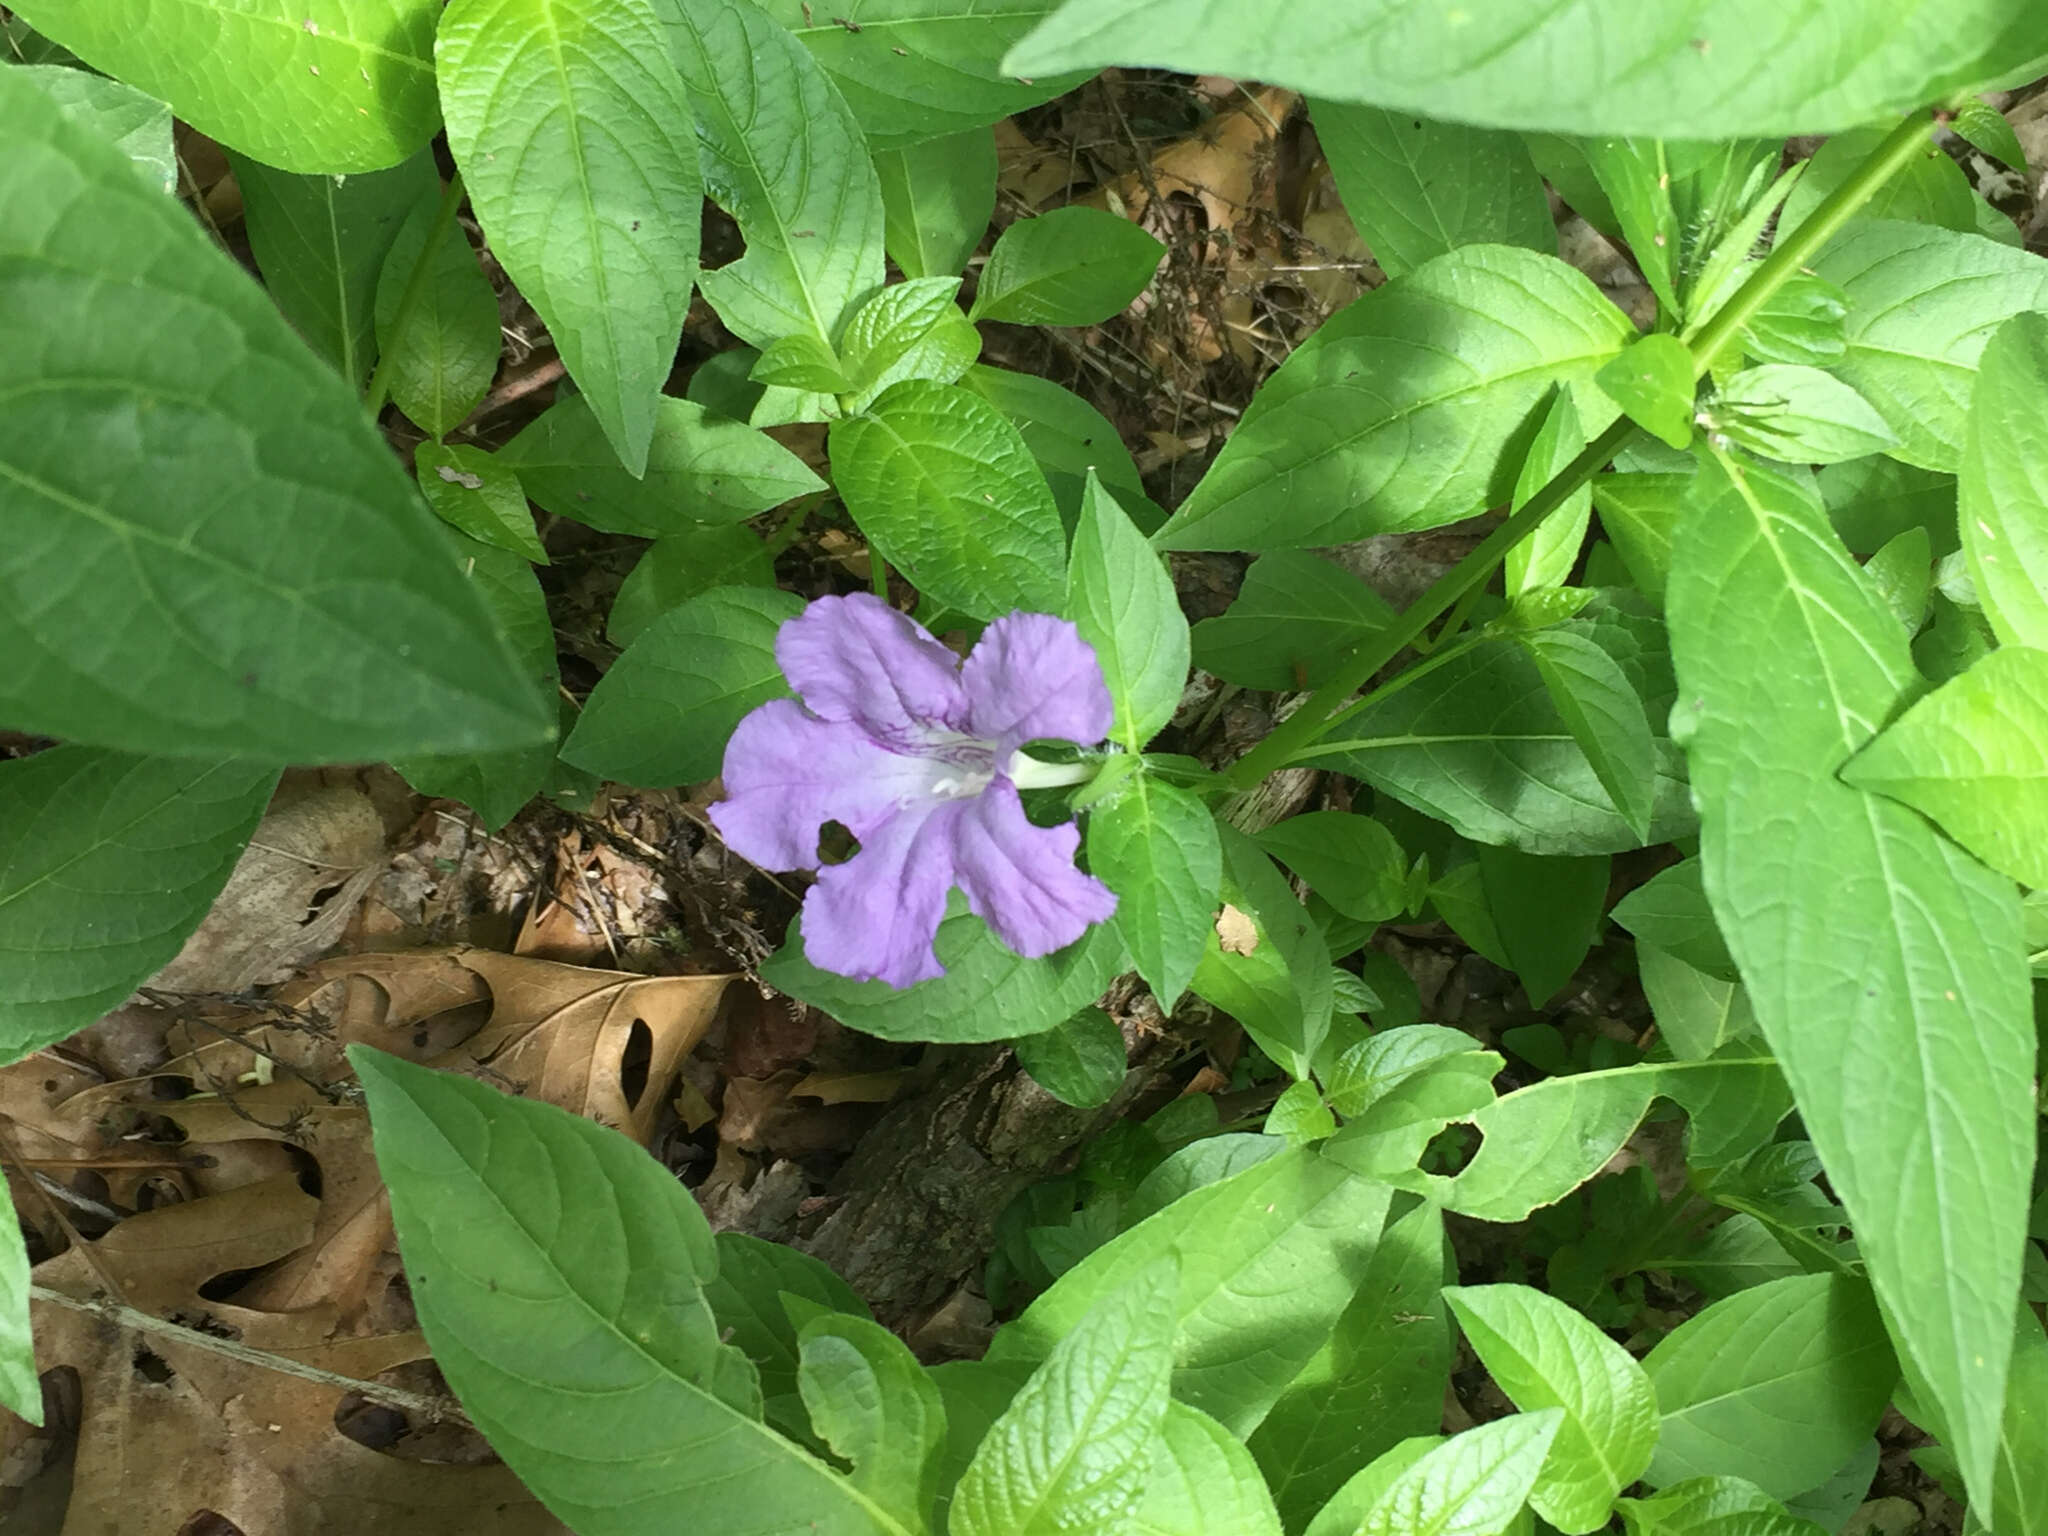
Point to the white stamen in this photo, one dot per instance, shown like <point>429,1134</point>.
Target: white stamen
<point>1027,772</point>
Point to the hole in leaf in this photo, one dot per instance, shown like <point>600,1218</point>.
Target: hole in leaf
<point>634,1062</point>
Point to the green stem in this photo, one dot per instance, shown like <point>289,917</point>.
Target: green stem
<point>1792,253</point>
<point>1327,704</point>
<point>1309,722</point>
<point>409,301</point>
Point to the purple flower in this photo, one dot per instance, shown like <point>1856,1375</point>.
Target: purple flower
<point>917,755</point>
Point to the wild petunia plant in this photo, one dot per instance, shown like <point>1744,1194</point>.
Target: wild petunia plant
<point>1761,684</point>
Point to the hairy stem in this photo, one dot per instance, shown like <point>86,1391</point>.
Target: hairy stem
<point>415,290</point>
<point>1324,707</point>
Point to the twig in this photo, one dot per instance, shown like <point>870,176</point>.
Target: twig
<point>37,1182</point>
<point>121,1315</point>
<point>511,391</point>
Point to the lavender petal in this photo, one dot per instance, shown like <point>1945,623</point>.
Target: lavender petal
<point>856,658</point>
<point>873,918</point>
<point>1020,879</point>
<point>1034,678</point>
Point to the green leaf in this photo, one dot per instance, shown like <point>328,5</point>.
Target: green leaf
<point>662,714</point>
<point>1984,127</point>
<point>1872,501</point>
<point>1710,73</point>
<point>1639,512</point>
<point>326,86</point>
<point>177,577</point>
<point>1300,1115</point>
<point>944,488</point>
<point>1542,1354</point>
<point>1122,600</point>
<point>1546,911</point>
<point>1798,414</point>
<point>1479,744</point>
<point>1398,1089</point>
<point>1789,663</point>
<point>1474,1484</point>
<point>107,862</point>
<point>1807,1351</point>
<point>747,1298</point>
<point>913,69</point>
<point>136,124</point>
<point>1804,321</point>
<point>1269,1259</point>
<point>476,492</point>
<point>878,1409</point>
<point>1080,1062</point>
<point>910,330</point>
<point>1973,756</point>
<point>1351,861</point>
<point>1376,1380</point>
<point>701,468</point>
<point>1713,1506</point>
<point>800,361</point>
<point>320,242</point>
<point>21,1392</point>
<point>987,993</point>
<point>1417,188</point>
<point>937,198</point>
<point>1695,1012</point>
<point>1349,1506</point>
<point>1066,434</point>
<point>1278,985</point>
<point>1636,175</point>
<point>2019,1494</point>
<point>572,129</point>
<point>1297,619</point>
<point>1903,573</point>
<point>784,155</point>
<point>1922,304</point>
<point>557,1271</point>
<point>1156,846</point>
<point>1543,1141</point>
<point>1071,1453</point>
<point>1546,557</point>
<point>1203,1482</point>
<point>682,566</point>
<point>497,785</point>
<point>2002,492</point>
<point>1072,266</point>
<point>1401,412</point>
<point>1671,911</point>
<point>1930,189</point>
<point>441,365</point>
<point>1594,698</point>
<point>1653,383</point>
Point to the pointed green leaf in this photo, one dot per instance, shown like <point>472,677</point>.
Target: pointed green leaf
<point>1269,1259</point>
<point>1544,1355</point>
<point>1808,1351</point>
<point>910,330</point>
<point>1072,1452</point>
<point>1351,861</point>
<point>1156,846</point>
<point>1072,266</point>
<point>2003,487</point>
<point>1203,1482</point>
<point>1713,1506</point>
<point>478,493</point>
<point>682,566</point>
<point>1417,188</point>
<point>1805,321</point>
<point>1798,414</point>
<point>572,129</point>
<point>1122,600</point>
<point>1378,1379</point>
<point>783,154</point>
<point>878,1409</point>
<point>1710,72</point>
<point>320,242</point>
<point>107,863</point>
<point>557,1271</point>
<point>1277,982</point>
<point>1984,127</point>
<point>2019,1494</point>
<point>1066,434</point>
<point>1546,557</point>
<point>1593,697</point>
<point>748,1296</point>
<point>1653,384</point>
<point>1081,1061</point>
<point>937,198</point>
<point>440,366</point>
<point>1930,189</point>
<point>663,712</point>
<point>1922,304</point>
<point>1297,617</point>
<point>1885,965</point>
<point>1671,911</point>
<point>1639,512</point>
<point>1473,1484</point>
<point>942,484</point>
<point>176,577</point>
<point>324,86</point>
<point>1903,573</point>
<point>1695,1012</point>
<point>701,468</point>
<point>1399,413</point>
<point>1351,1503</point>
<point>1546,911</point>
<point>20,1390</point>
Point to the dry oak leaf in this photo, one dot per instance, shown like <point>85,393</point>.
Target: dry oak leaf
<point>171,1429</point>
